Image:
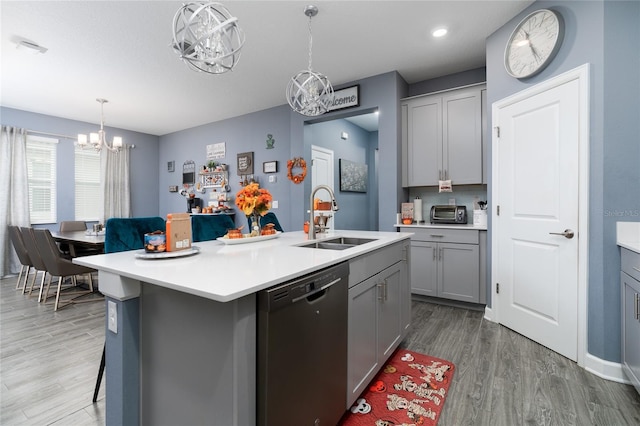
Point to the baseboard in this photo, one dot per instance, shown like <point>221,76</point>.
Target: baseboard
<point>605,369</point>
<point>488,314</point>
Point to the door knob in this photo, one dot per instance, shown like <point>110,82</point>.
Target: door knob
<point>568,233</point>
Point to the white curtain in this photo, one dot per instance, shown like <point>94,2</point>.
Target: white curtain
<point>116,190</point>
<point>14,193</point>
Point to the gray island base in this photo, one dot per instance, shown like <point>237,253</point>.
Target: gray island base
<point>184,350</point>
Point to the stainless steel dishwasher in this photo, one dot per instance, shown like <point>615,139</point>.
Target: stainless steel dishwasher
<point>302,350</point>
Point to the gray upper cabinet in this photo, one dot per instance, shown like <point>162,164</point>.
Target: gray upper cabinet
<point>442,138</point>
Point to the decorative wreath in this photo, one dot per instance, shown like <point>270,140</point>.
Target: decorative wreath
<point>300,163</point>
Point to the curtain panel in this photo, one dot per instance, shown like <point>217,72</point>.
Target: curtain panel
<point>14,193</point>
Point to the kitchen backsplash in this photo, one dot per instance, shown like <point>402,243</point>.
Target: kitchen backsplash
<point>464,195</point>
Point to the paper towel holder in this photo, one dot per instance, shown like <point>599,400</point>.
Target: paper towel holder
<point>417,210</point>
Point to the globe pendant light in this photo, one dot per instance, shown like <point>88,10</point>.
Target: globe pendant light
<point>310,93</point>
<point>207,37</point>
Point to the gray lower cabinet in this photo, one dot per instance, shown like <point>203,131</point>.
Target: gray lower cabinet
<point>379,313</point>
<point>630,281</point>
<point>446,263</point>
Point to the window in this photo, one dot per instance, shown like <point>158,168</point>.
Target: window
<point>87,184</point>
<point>41,174</point>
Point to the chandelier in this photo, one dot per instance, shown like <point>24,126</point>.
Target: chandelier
<point>207,37</point>
<point>309,93</point>
<point>98,140</point>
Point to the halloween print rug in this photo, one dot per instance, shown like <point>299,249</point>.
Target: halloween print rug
<point>409,390</point>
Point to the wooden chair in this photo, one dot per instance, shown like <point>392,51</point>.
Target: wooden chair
<point>60,267</point>
<point>210,227</point>
<point>23,256</point>
<point>38,264</point>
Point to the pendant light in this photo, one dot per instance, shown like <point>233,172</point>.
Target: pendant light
<point>310,93</point>
<point>207,37</point>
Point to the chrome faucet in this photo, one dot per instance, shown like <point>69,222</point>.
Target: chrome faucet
<point>334,203</point>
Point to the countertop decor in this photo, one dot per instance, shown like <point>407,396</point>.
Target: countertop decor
<point>254,202</point>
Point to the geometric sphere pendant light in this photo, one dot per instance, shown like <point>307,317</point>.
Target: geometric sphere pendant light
<point>206,37</point>
<point>309,93</point>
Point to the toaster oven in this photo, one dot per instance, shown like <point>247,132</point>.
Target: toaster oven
<point>447,214</point>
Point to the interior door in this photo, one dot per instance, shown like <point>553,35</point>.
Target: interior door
<point>322,168</point>
<point>537,188</point>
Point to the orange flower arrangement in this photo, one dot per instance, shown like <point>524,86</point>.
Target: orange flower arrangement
<point>252,199</point>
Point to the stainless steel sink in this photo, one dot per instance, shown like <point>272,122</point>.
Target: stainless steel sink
<point>340,243</point>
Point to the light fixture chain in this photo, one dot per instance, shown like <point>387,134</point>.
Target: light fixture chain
<point>310,43</point>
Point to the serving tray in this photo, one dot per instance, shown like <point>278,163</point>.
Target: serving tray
<point>169,254</point>
<point>244,240</point>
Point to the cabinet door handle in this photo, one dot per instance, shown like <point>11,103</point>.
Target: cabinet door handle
<point>386,290</point>
<point>436,235</point>
<point>440,254</point>
<point>637,306</point>
<point>380,291</point>
<point>434,253</point>
<point>446,175</point>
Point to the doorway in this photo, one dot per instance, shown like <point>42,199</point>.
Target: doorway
<point>353,138</point>
<point>539,223</point>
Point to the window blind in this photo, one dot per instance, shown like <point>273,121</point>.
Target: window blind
<point>87,184</point>
<point>41,175</point>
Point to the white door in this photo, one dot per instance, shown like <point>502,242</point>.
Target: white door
<point>536,183</point>
<point>321,169</point>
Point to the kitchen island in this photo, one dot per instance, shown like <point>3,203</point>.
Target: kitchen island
<point>181,332</point>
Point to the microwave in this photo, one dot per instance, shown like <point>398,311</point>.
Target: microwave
<point>447,214</point>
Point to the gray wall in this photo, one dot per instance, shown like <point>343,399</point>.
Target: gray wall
<point>605,35</point>
<point>144,160</point>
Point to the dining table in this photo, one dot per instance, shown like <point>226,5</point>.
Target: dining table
<point>80,239</point>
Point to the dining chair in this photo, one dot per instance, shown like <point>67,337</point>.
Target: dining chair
<point>210,227</point>
<point>34,253</point>
<point>269,217</point>
<point>123,234</point>
<point>60,267</point>
<point>23,256</point>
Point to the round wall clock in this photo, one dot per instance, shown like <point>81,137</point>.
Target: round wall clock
<point>533,43</point>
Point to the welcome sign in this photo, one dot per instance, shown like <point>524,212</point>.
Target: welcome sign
<point>345,98</point>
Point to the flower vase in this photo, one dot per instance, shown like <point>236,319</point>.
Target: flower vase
<point>255,224</point>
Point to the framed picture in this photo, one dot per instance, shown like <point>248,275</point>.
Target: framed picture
<point>171,166</point>
<point>353,176</point>
<point>245,163</point>
<point>270,167</point>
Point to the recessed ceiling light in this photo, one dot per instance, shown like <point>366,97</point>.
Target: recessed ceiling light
<point>439,32</point>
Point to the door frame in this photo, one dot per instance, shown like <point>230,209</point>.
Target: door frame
<point>582,74</point>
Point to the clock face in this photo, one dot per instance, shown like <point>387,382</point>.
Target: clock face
<point>533,43</point>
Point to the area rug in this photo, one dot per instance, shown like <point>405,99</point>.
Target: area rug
<point>409,390</point>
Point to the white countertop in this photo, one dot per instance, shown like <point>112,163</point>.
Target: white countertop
<point>227,272</point>
<point>442,226</point>
<point>628,235</point>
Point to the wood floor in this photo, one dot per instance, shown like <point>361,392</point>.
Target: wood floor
<point>49,362</point>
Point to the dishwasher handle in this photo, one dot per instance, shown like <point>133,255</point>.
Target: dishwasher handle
<point>316,291</point>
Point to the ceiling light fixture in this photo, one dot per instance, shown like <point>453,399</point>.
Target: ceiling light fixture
<point>207,37</point>
<point>439,32</point>
<point>30,47</point>
<point>98,140</point>
<point>309,93</point>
